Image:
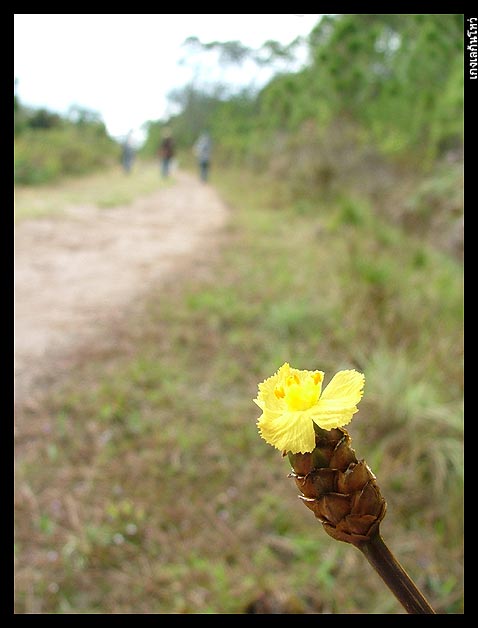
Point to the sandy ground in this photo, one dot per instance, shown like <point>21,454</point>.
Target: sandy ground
<point>76,274</point>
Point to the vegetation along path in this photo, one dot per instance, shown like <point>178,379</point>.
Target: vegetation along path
<point>75,273</point>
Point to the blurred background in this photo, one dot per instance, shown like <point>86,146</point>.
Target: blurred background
<point>141,482</point>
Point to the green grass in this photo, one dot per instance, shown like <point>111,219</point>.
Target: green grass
<point>106,188</point>
<point>154,493</point>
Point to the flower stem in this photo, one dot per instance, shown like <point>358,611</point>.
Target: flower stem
<point>394,576</point>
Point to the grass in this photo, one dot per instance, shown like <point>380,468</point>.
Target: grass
<point>153,493</point>
<point>107,188</point>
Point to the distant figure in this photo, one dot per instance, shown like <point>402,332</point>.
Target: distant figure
<point>202,149</point>
<point>128,154</point>
<point>166,152</point>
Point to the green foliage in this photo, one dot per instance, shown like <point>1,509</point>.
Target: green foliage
<point>44,155</point>
<point>201,107</point>
<point>397,78</point>
<point>397,75</point>
<point>443,188</point>
<point>43,119</point>
<point>48,146</point>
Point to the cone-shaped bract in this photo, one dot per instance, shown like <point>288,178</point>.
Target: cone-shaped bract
<point>339,489</point>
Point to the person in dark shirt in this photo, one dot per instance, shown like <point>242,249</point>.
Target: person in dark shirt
<point>166,152</point>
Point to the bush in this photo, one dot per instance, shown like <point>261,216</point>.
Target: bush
<point>42,155</point>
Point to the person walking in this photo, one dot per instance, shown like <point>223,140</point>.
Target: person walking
<point>203,149</point>
<point>128,153</point>
<point>166,152</point>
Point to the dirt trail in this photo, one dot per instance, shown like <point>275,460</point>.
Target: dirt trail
<point>75,274</point>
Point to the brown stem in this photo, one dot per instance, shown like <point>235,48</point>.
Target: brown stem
<point>394,576</point>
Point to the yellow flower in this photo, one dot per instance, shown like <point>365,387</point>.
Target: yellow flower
<point>292,400</point>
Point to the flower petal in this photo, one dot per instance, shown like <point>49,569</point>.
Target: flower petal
<point>266,396</point>
<point>346,386</point>
<point>290,431</point>
<point>338,401</point>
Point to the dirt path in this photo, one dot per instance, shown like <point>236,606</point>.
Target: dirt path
<point>76,273</point>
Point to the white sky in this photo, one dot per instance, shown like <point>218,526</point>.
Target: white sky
<point>123,65</point>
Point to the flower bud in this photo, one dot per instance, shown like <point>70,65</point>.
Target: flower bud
<point>340,490</point>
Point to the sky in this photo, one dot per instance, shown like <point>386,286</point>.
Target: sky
<point>122,66</point>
